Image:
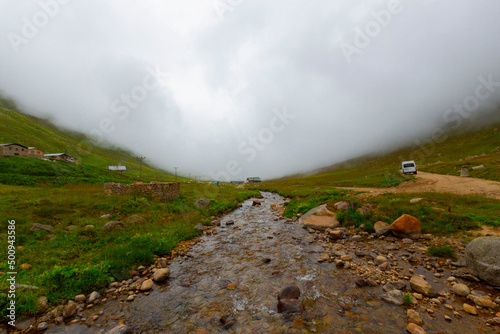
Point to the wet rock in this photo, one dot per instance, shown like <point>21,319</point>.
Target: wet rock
<point>482,256</point>
<point>135,219</point>
<point>203,203</point>
<point>413,316</point>
<point>112,226</point>
<point>41,227</point>
<point>494,321</point>
<point>406,226</point>
<point>230,222</point>
<point>461,290</point>
<point>394,285</point>
<point>289,292</point>
<point>357,238</point>
<point>470,309</point>
<point>42,326</point>
<point>256,203</point>
<point>380,259</point>
<point>69,309</point>
<point>227,321</point>
<point>385,266</point>
<point>381,228</point>
<point>290,306</point>
<point>161,275</point>
<point>319,218</point>
<point>336,234</point>
<point>414,329</point>
<point>146,285</point>
<point>25,323</point>
<point>483,301</point>
<point>408,241</point>
<point>94,296</point>
<point>324,257</point>
<point>120,329</point>
<point>393,297</point>
<point>420,285</point>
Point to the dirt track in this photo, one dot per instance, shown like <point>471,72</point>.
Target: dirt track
<point>428,182</point>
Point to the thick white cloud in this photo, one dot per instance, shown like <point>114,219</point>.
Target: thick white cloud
<point>199,84</point>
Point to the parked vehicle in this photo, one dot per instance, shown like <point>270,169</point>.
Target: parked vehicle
<point>409,167</point>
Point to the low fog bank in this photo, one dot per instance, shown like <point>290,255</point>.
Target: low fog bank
<point>253,88</point>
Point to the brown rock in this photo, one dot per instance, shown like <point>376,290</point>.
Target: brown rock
<point>406,226</point>
<point>470,309</point>
<point>414,329</point>
<point>414,317</point>
<point>289,292</point>
<point>161,275</point>
<point>290,306</point>
<point>146,285</point>
<point>69,309</point>
<point>420,285</point>
<point>319,218</point>
<point>381,228</point>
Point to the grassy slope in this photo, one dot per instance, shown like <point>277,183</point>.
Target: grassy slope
<point>467,147</point>
<point>30,131</point>
<point>440,214</point>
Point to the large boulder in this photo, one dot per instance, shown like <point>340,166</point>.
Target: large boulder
<point>319,218</point>
<point>406,226</point>
<point>482,256</point>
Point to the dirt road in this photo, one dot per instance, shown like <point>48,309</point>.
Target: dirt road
<point>428,182</point>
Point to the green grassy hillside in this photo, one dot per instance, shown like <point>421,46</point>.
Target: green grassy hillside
<point>468,147</point>
<point>31,131</point>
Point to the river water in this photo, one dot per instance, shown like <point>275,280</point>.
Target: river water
<point>235,274</point>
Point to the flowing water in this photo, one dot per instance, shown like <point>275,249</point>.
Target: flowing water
<point>229,281</point>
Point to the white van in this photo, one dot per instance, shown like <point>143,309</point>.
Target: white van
<point>409,167</point>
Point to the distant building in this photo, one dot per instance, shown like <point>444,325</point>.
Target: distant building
<point>121,169</point>
<point>13,149</point>
<point>60,156</point>
<point>34,152</point>
<point>253,179</point>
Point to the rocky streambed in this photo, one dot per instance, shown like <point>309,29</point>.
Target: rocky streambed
<point>229,282</point>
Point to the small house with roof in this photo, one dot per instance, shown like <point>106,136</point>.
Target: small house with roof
<point>60,156</point>
<point>13,149</point>
<point>34,152</point>
<point>121,169</point>
<point>253,179</point>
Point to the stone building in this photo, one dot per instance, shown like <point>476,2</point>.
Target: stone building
<point>13,149</point>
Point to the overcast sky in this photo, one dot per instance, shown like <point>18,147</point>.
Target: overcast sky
<point>244,88</point>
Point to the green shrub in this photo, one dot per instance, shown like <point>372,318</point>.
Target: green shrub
<point>441,251</point>
<point>67,282</point>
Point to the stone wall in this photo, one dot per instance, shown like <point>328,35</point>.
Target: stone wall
<point>155,190</point>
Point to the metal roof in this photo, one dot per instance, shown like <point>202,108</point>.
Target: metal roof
<point>55,154</point>
<point>117,168</point>
<point>13,144</point>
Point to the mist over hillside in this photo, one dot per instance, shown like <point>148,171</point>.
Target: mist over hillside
<point>253,88</point>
